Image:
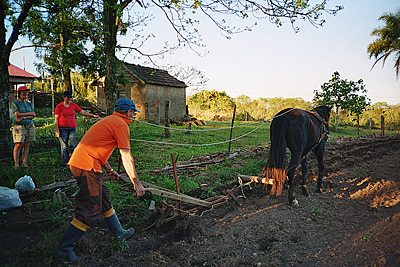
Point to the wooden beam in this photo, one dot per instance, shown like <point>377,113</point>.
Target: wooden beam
<point>256,179</point>
<point>159,191</point>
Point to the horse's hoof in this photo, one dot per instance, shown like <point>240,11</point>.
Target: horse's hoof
<point>305,192</point>
<point>295,202</point>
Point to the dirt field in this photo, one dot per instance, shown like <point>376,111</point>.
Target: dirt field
<point>354,222</point>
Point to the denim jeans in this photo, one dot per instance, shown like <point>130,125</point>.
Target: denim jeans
<point>67,142</point>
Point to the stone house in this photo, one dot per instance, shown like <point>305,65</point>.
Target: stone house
<point>151,89</point>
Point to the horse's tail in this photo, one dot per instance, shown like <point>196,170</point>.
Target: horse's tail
<point>276,163</point>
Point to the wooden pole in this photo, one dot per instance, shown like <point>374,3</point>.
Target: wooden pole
<point>157,115</point>
<point>233,121</point>
<point>175,172</point>
<point>382,126</point>
<point>52,94</point>
<point>167,119</point>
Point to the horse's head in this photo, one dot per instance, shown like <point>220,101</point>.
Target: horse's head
<point>324,112</point>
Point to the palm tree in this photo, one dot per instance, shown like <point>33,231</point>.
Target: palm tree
<point>388,41</point>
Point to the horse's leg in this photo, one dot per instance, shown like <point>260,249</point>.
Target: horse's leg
<point>304,170</point>
<point>294,162</point>
<point>319,153</point>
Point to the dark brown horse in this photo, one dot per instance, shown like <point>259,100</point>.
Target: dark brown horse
<point>301,131</point>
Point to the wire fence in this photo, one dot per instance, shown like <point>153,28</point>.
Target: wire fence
<point>141,132</point>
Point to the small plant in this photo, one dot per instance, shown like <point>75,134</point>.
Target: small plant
<point>118,246</point>
<point>366,237</point>
<point>314,209</point>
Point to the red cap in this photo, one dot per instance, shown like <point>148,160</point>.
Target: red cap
<point>22,88</point>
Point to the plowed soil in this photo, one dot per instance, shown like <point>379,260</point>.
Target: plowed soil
<point>354,222</point>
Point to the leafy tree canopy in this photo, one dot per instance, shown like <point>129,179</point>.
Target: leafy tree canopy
<point>343,94</point>
<point>211,100</point>
<point>387,42</point>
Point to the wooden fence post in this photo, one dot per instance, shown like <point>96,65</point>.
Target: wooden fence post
<point>233,121</point>
<point>167,119</point>
<point>157,113</point>
<point>382,126</point>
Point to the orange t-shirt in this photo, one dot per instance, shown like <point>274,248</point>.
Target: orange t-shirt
<point>99,142</point>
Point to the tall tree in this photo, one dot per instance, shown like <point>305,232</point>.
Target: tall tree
<point>181,16</point>
<point>59,31</point>
<point>387,42</point>
<point>357,104</point>
<point>12,17</point>
<point>341,93</point>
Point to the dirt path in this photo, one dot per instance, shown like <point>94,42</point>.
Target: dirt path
<point>355,222</point>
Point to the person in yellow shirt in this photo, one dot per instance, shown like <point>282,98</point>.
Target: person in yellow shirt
<point>86,163</point>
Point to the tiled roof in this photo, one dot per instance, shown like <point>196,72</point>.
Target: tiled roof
<point>14,71</point>
<point>155,76</point>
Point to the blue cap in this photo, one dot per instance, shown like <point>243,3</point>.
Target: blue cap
<point>67,94</point>
<point>125,104</point>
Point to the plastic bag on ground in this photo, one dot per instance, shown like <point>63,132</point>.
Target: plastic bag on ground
<point>24,184</point>
<point>9,198</point>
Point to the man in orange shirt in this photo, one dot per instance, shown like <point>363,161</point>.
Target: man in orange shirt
<point>88,158</point>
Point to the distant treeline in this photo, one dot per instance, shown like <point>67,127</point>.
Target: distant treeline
<point>210,104</point>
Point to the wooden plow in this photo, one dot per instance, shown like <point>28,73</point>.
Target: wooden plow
<point>176,205</point>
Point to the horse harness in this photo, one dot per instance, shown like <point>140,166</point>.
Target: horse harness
<point>322,120</point>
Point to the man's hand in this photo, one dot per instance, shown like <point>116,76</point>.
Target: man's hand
<point>139,188</point>
<point>114,175</point>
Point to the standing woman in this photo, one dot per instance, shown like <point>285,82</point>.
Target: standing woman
<point>23,127</point>
<point>65,123</point>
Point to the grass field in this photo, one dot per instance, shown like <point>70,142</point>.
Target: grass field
<point>150,148</point>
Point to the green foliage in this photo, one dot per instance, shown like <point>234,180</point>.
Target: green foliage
<point>59,35</point>
<point>343,94</point>
<point>387,42</point>
<point>252,109</point>
<point>211,100</point>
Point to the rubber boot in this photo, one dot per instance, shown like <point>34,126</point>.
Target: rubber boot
<point>64,250</point>
<point>116,228</point>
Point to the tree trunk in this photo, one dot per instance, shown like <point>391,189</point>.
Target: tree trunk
<point>337,117</point>
<point>67,79</point>
<point>5,51</point>
<point>65,70</point>
<point>5,147</point>
<point>110,42</point>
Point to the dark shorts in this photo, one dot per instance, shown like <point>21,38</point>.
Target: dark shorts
<point>94,196</point>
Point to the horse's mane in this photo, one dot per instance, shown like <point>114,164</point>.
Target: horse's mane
<point>323,111</point>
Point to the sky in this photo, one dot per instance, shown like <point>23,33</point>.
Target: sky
<point>272,61</point>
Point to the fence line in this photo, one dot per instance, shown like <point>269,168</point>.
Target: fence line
<point>165,143</point>
<point>210,144</point>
